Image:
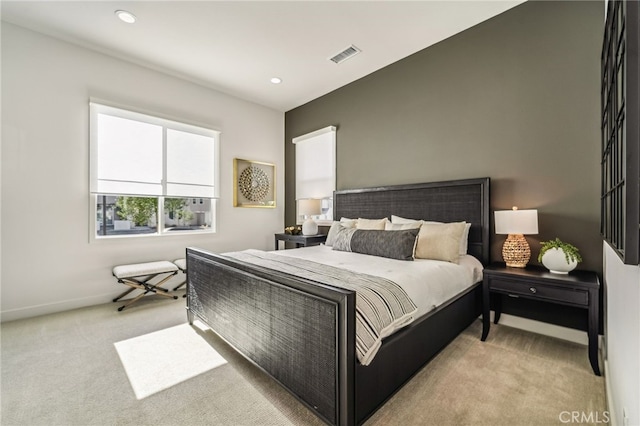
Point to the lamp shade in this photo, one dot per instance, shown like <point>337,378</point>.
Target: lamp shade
<point>309,207</point>
<point>516,221</point>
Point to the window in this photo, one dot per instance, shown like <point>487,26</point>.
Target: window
<point>150,175</point>
<point>620,167</point>
<point>316,172</point>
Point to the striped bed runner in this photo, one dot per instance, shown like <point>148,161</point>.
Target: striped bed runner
<point>382,306</point>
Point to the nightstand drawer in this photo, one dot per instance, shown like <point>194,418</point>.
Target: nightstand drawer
<point>540,291</point>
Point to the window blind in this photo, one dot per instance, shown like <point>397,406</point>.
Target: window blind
<point>190,165</point>
<point>315,164</point>
<point>138,154</point>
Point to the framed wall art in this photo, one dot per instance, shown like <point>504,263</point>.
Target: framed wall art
<point>254,184</point>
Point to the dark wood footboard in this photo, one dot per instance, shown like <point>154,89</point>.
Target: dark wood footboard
<point>298,331</point>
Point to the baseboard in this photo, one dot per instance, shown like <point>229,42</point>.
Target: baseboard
<point>570,334</point>
<point>50,308</point>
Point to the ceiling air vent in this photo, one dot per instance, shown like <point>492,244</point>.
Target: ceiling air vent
<point>347,53</point>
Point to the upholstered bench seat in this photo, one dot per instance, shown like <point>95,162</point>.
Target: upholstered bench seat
<point>182,265</point>
<point>139,276</point>
<point>142,269</point>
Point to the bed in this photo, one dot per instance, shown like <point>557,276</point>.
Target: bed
<point>302,332</point>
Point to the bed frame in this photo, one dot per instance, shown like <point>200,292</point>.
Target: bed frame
<point>302,333</point>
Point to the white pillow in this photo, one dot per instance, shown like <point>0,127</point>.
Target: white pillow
<point>378,224</point>
<point>402,220</point>
<point>401,226</point>
<point>331,235</point>
<point>464,242</point>
<point>348,223</point>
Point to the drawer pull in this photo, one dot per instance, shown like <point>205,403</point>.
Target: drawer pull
<point>533,290</point>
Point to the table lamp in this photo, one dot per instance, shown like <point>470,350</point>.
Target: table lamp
<point>515,223</point>
<point>309,207</point>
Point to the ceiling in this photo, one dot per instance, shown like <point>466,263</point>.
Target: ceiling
<point>236,47</point>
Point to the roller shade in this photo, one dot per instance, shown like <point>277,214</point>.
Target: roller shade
<point>138,154</point>
<point>190,165</point>
<point>315,164</point>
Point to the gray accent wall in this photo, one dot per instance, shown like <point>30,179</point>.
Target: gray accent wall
<point>515,98</point>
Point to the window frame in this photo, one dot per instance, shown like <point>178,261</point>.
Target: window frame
<point>620,131</point>
<point>97,106</point>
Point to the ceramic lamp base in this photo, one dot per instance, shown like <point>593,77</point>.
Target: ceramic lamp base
<point>309,227</point>
<point>516,251</point>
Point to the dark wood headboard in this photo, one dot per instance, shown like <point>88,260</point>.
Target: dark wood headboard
<point>450,201</point>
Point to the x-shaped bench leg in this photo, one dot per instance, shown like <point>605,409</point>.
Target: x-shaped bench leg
<point>146,286</point>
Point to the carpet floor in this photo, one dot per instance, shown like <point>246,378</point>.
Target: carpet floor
<point>145,366</point>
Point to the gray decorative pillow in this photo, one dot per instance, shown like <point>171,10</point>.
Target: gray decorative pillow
<point>392,244</point>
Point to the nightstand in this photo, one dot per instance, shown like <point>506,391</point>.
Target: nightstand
<point>578,288</point>
<point>301,240</point>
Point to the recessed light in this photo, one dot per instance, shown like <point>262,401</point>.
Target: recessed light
<point>125,16</point>
<point>276,80</point>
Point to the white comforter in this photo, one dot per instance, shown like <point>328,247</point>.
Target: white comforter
<point>429,283</point>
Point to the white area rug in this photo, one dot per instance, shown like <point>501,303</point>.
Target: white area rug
<point>156,361</point>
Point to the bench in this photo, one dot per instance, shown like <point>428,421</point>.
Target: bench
<point>182,265</point>
<point>139,276</point>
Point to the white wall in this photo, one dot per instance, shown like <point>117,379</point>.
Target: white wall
<point>48,264</point>
<point>622,334</point>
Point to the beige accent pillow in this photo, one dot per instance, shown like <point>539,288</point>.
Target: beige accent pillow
<point>440,241</point>
<point>378,224</point>
<point>464,239</point>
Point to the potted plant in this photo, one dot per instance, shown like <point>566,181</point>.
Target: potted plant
<point>559,257</point>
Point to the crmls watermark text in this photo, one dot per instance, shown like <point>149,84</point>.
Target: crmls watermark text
<point>584,417</point>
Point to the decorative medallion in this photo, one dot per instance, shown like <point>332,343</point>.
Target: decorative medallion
<point>253,184</point>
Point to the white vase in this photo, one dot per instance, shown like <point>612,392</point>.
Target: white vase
<point>555,261</point>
